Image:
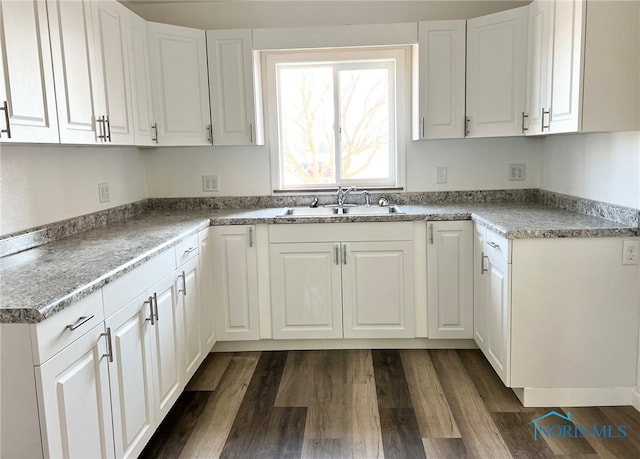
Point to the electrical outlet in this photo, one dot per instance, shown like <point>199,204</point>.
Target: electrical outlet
<point>104,194</point>
<point>441,174</point>
<point>517,172</point>
<point>630,252</point>
<point>210,183</point>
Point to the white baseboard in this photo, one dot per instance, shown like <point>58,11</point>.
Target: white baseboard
<point>635,399</point>
<point>317,344</point>
<point>580,396</point>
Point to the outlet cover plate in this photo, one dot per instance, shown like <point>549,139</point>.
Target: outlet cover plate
<point>210,183</point>
<point>630,252</point>
<point>104,194</point>
<point>441,174</point>
<point>517,172</point>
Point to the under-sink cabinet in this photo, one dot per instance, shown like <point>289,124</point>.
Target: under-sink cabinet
<point>353,280</point>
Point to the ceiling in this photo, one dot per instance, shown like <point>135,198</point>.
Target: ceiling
<point>228,14</point>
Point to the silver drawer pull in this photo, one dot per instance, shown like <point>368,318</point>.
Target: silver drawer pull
<point>493,244</point>
<point>190,250</point>
<point>81,321</point>
<point>152,317</point>
<point>109,353</point>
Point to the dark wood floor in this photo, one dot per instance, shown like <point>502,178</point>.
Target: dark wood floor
<point>372,404</point>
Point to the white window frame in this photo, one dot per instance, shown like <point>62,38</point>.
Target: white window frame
<point>402,57</point>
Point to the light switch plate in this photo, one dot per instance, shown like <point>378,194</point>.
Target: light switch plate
<point>441,174</point>
<point>210,183</point>
<point>104,194</point>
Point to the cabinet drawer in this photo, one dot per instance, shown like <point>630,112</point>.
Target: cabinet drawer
<point>186,250</point>
<point>123,290</point>
<point>497,247</point>
<point>57,332</point>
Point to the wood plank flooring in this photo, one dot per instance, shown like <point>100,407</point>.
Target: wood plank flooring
<point>369,404</point>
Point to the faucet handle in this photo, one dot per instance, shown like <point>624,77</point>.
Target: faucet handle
<point>383,201</point>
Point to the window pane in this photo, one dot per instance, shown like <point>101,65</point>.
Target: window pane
<point>306,115</point>
<point>364,112</point>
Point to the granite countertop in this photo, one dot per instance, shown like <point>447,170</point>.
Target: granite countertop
<point>39,282</point>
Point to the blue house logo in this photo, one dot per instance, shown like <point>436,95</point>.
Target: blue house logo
<point>565,427</point>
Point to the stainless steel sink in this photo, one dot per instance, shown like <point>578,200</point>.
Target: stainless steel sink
<point>335,211</point>
<point>372,210</point>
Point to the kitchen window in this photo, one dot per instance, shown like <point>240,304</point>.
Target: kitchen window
<point>335,117</point>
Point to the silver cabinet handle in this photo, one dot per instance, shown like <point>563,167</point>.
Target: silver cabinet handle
<point>422,128</point>
<point>542,120</point>
<point>431,233</point>
<point>524,128</point>
<point>337,254</point>
<point>5,107</point>
<point>250,132</point>
<point>184,284</point>
<point>251,236</point>
<point>483,257</point>
<point>109,353</point>
<point>493,245</point>
<point>152,317</point>
<point>467,120</point>
<point>210,134</point>
<point>344,254</point>
<point>101,128</point>
<point>81,321</point>
<point>108,134</point>
<point>190,250</point>
<point>155,304</point>
<point>154,126</point>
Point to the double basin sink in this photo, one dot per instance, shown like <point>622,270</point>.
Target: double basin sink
<point>336,211</point>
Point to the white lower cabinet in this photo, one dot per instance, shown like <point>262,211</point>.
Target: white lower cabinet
<point>450,279</point>
<point>73,390</point>
<point>206,257</point>
<point>188,279</point>
<point>235,276</point>
<point>346,287</point>
<point>131,375</point>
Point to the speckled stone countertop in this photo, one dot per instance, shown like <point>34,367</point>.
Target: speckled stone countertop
<point>39,282</point>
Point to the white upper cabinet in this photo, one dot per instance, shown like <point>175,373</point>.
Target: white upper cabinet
<point>110,20</point>
<point>234,115</point>
<point>180,89</point>
<point>496,73</point>
<point>439,99</point>
<point>540,66</point>
<point>143,129</point>
<point>80,100</point>
<point>27,98</point>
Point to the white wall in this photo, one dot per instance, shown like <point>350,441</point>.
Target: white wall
<point>43,184</point>
<point>603,167</point>
<point>472,164</point>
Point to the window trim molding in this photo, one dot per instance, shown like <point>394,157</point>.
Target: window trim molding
<point>403,56</point>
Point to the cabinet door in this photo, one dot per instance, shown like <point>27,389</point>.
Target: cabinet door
<point>480,285</point>
<point>568,30</point>
<point>26,79</point>
<point>441,79</point>
<point>306,293</point>
<point>79,95</point>
<point>188,281</point>
<point>131,376</point>
<point>180,89</point>
<point>496,73</point>
<point>167,345</point>
<point>140,76</point>
<point>498,345</point>
<point>377,285</point>
<point>111,23</point>
<point>75,408</point>
<point>450,279</point>
<point>235,277</point>
<point>207,288</point>
<point>231,83</point>
<point>540,65</point>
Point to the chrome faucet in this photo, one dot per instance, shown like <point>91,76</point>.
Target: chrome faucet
<point>342,194</point>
